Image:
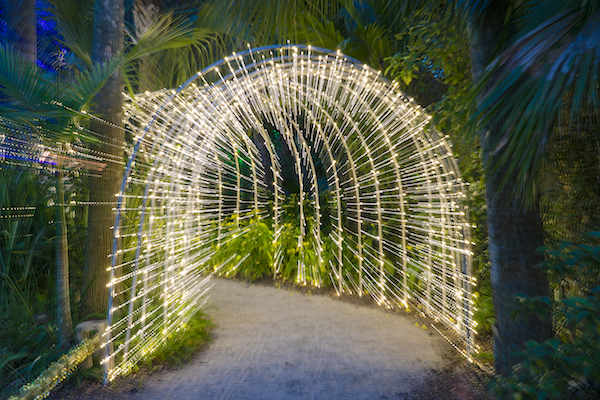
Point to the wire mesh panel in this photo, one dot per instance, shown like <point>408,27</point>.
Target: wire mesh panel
<point>377,211</point>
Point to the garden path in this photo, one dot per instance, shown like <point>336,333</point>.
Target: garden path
<point>276,343</point>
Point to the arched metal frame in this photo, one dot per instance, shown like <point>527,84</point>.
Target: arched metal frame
<point>400,231</point>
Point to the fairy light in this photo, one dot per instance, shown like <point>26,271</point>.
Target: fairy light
<point>58,371</point>
<point>399,227</point>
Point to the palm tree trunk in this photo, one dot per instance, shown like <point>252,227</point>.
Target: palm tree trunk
<point>21,23</point>
<point>515,231</point>
<point>64,322</point>
<point>108,41</point>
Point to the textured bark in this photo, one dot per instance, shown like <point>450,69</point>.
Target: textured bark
<point>515,231</point>
<point>64,322</point>
<point>21,24</point>
<point>108,41</point>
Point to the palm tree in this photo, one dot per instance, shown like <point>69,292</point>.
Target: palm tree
<point>515,230</point>
<point>64,321</point>
<point>109,17</point>
<point>99,46</point>
<point>548,61</point>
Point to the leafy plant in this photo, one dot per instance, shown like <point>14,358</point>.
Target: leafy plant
<point>484,316</point>
<point>249,253</point>
<point>568,365</point>
<point>182,344</point>
<point>26,280</point>
<point>302,264</point>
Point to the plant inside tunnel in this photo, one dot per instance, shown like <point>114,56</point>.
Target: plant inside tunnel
<point>251,252</point>
<point>248,252</point>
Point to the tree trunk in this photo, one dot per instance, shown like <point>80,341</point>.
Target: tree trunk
<point>21,24</point>
<point>515,231</point>
<point>108,41</point>
<point>64,323</point>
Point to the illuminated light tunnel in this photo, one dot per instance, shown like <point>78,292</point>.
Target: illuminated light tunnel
<point>379,198</point>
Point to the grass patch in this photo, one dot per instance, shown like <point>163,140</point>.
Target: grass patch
<point>176,350</point>
<point>182,345</point>
<point>486,357</point>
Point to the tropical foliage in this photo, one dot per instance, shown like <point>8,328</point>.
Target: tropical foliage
<point>26,279</point>
<point>252,253</point>
<point>538,87</point>
<point>31,114</point>
<point>546,65</point>
<point>40,108</point>
<point>247,254</point>
<point>567,366</point>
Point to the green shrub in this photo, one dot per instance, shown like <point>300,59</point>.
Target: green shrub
<point>27,333</point>
<point>484,316</point>
<point>180,346</point>
<point>248,255</point>
<point>567,366</point>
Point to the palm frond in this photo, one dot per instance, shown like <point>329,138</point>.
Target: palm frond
<point>370,44</point>
<point>75,25</point>
<point>473,8</point>
<point>269,21</point>
<point>212,16</point>
<point>395,14</point>
<point>27,93</point>
<point>182,44</point>
<point>32,97</point>
<point>80,93</point>
<point>20,81</point>
<point>182,62</point>
<point>318,33</point>
<point>553,65</point>
<point>531,14</point>
<point>165,33</point>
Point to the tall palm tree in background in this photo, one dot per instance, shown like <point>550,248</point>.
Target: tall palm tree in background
<point>544,56</point>
<point>515,228</point>
<point>109,18</point>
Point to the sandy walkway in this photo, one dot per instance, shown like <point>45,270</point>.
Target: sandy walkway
<point>278,344</point>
